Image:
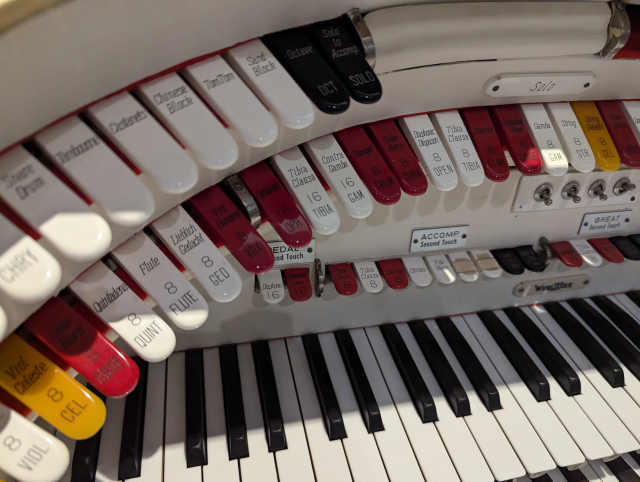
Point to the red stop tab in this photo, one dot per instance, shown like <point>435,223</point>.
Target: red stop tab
<point>620,131</point>
<point>514,135</point>
<point>607,250</point>
<point>399,156</point>
<point>369,165</point>
<point>344,279</point>
<point>485,139</point>
<point>234,230</point>
<point>84,348</point>
<point>565,252</point>
<point>298,283</point>
<point>277,206</point>
<point>393,273</point>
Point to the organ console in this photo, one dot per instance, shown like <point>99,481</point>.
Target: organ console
<point>296,244</point>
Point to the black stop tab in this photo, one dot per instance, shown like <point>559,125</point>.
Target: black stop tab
<point>530,258</point>
<point>508,260</point>
<point>335,41</point>
<point>627,247</point>
<point>308,68</point>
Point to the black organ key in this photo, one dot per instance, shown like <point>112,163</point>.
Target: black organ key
<point>336,42</point>
<point>485,388</point>
<point>447,379</point>
<point>635,238</point>
<point>85,456</point>
<point>619,317</point>
<point>584,340</point>
<point>299,56</point>
<point>573,475</point>
<point>195,411</point>
<point>561,370</point>
<point>627,247</point>
<point>622,471</point>
<point>327,399</point>
<point>271,413</point>
<point>413,381</point>
<point>133,427</point>
<point>612,338</point>
<point>233,404</point>
<point>508,260</point>
<point>359,382</point>
<point>531,259</point>
<point>527,369</point>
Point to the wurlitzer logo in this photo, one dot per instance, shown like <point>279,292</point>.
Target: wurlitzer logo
<point>543,287</point>
<point>554,287</point>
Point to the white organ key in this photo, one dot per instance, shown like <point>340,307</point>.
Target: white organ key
<point>454,134</point>
<point>425,439</point>
<point>336,169</point>
<point>271,286</point>
<point>329,460</point>
<point>270,81</point>
<point>190,121</point>
<point>145,142</point>
<point>152,270</point>
<point>554,436</point>
<point>182,235</point>
<point>522,436</point>
<point>71,447</point>
<point>260,465</point>
<point>396,451</point>
<point>428,147</point>
<point>3,323</point>
<point>303,185</point>
<point>126,314</point>
<point>485,261</point>
<point>294,463</point>
<point>462,448</point>
<point>463,266</point>
<point>51,208</point>
<point>110,437</point>
<point>603,472</point>
<point>78,152</point>
<point>219,467</point>
<point>493,443</point>
<point>28,273</point>
<point>631,109</point>
<point>588,254</point>
<point>27,452</point>
<point>231,99</point>
<point>360,446</point>
<point>554,160</point>
<point>619,401</point>
<point>600,414</point>
<point>571,136</point>
<point>441,268</point>
<point>417,270</point>
<point>175,459</point>
<point>369,276</point>
<point>579,426</point>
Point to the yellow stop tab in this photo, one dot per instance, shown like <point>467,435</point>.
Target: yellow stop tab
<point>604,150</point>
<point>47,390</point>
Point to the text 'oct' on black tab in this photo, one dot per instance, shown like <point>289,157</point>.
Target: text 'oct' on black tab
<point>335,40</point>
<point>508,261</point>
<point>299,55</point>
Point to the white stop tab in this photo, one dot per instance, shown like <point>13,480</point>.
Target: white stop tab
<point>28,273</point>
<point>303,184</point>
<point>29,453</point>
<point>51,208</point>
<point>463,266</point>
<point>572,137</point>
<point>160,279</point>
<point>369,276</point>
<point>589,255</point>
<point>441,269</point>
<point>190,121</point>
<point>554,160</point>
<point>78,152</point>
<point>453,132</point>
<point>272,83</point>
<point>125,313</point>
<point>145,143</point>
<point>226,93</point>
<point>198,254</point>
<point>417,270</point>
<point>428,147</point>
<point>486,263</point>
<point>271,286</point>
<point>336,169</point>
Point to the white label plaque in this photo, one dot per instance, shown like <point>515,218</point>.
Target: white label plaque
<point>605,222</point>
<point>436,239</point>
<point>285,255</point>
<point>510,85</point>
